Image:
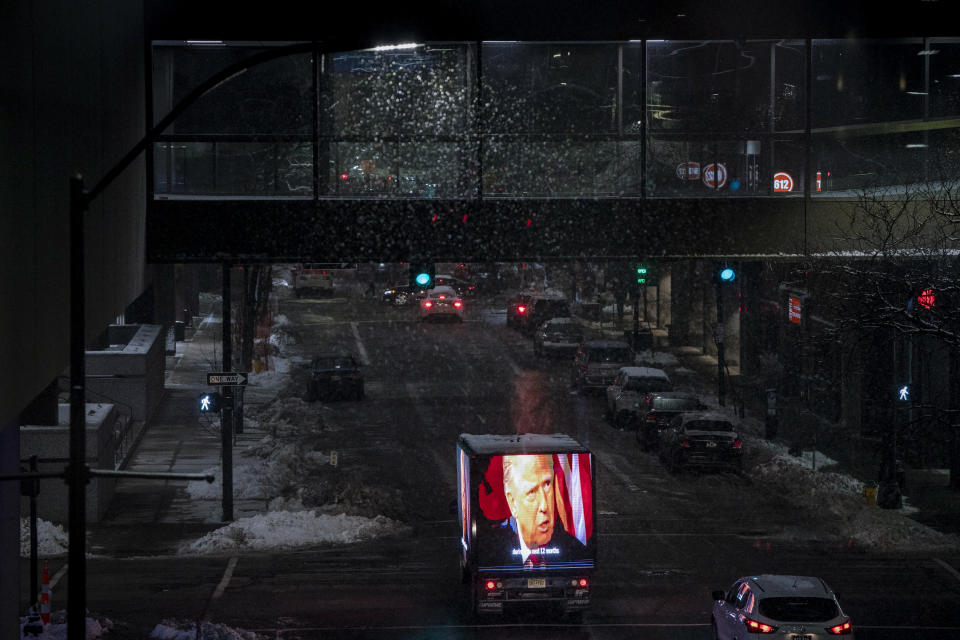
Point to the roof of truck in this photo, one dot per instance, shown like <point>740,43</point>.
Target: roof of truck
<point>488,444</point>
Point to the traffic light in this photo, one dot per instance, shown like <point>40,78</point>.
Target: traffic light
<point>726,274</point>
<point>422,275</point>
<point>209,403</point>
<point>642,274</point>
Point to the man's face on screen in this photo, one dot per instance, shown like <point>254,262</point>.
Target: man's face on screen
<point>528,484</point>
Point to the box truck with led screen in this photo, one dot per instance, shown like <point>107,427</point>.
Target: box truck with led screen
<point>527,520</point>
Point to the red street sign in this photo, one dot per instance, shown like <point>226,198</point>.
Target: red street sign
<point>688,170</point>
<point>794,310</point>
<point>721,177</point>
<point>927,299</point>
<point>782,182</point>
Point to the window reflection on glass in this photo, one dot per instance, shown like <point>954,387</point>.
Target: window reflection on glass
<point>233,169</point>
<point>866,81</point>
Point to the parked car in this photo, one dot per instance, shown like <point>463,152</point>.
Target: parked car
<point>597,363</point>
<point>335,375</point>
<point>655,411</point>
<point>401,294</point>
<point>781,606</point>
<point>703,439</point>
<point>442,302</point>
<point>463,287</point>
<point>630,385</point>
<point>557,337</point>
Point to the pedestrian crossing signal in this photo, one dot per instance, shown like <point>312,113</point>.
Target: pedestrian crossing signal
<point>209,403</point>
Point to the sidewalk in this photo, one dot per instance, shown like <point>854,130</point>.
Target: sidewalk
<point>148,516</point>
<point>928,498</point>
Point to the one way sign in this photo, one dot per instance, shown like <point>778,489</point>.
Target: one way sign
<point>226,378</point>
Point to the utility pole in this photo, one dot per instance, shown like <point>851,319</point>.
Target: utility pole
<point>226,416</point>
<point>718,337</point>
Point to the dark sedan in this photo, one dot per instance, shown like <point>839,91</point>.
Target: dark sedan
<point>706,440</point>
<point>335,375</point>
<point>557,337</point>
<point>400,294</point>
<point>655,412</point>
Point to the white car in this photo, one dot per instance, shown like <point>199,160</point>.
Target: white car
<point>442,302</point>
<point>628,389</point>
<point>779,606</point>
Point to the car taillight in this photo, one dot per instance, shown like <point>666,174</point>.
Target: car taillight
<point>427,304</point>
<point>492,584</point>
<point>583,583</point>
<point>651,418</point>
<point>844,629</point>
<point>736,443</point>
<point>521,309</point>
<point>758,627</point>
<point>685,443</point>
<point>457,304</point>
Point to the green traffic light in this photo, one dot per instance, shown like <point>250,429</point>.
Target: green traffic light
<point>423,279</point>
<point>641,269</point>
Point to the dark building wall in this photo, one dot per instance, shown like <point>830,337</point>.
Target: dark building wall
<point>72,83</point>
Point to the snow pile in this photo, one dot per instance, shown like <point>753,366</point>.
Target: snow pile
<point>57,629</point>
<point>180,630</point>
<point>836,501</point>
<point>262,471</point>
<point>887,529</point>
<point>291,529</point>
<point>52,540</point>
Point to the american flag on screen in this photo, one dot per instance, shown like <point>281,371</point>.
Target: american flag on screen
<point>574,493</point>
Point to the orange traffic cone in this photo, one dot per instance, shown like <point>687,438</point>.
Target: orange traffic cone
<point>45,596</point>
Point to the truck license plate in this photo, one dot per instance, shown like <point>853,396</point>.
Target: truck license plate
<point>536,583</point>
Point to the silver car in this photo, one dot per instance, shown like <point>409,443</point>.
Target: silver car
<point>442,302</point>
<point>629,388</point>
<point>779,606</point>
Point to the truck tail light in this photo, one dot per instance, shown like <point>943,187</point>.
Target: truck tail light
<point>521,309</point>
<point>492,585</point>
<point>583,583</point>
<point>685,444</point>
<point>458,304</point>
<point>736,443</point>
<point>427,304</point>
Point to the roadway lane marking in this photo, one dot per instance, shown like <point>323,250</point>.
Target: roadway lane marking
<point>225,580</point>
<point>364,358</point>
<point>620,474</point>
<point>950,570</point>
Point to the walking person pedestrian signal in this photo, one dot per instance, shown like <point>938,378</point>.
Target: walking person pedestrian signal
<point>210,403</point>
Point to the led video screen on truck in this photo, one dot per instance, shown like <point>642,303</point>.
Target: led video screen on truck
<point>531,511</point>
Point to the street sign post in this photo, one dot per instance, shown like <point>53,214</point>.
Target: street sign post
<point>226,378</point>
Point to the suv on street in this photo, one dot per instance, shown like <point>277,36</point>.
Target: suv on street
<point>627,390</point>
<point>597,363</point>
<point>788,606</point>
<point>312,278</point>
<point>703,439</point>
<point>655,411</point>
<point>531,311</point>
